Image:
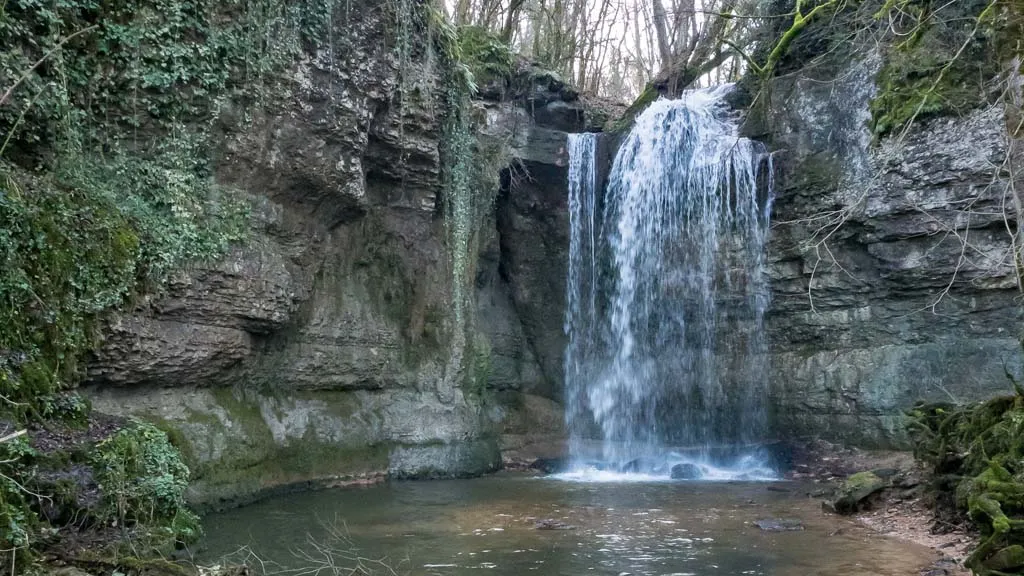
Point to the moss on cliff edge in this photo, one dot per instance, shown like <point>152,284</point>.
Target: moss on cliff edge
<point>941,62</point>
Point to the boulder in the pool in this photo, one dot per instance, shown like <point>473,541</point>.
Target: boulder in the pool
<point>631,467</point>
<point>856,493</point>
<point>686,471</point>
<point>1008,560</point>
<point>779,524</point>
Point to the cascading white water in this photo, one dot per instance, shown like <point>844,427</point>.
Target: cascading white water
<point>666,361</point>
<point>581,309</point>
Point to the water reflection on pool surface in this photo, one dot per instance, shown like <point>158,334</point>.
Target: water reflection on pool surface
<point>491,524</point>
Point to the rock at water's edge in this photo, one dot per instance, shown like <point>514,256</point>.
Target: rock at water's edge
<point>855,493</point>
<point>550,465</point>
<point>549,524</point>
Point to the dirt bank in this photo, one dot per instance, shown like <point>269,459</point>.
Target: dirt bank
<point>904,510</point>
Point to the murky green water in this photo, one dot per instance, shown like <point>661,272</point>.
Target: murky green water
<point>487,525</point>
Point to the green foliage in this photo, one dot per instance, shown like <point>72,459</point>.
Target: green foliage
<point>104,163</point>
<point>79,239</point>
<point>64,256</point>
<point>470,166</point>
<point>444,45</point>
<point>143,480</point>
<point>488,58</point>
<point>144,66</point>
<point>16,520</point>
<point>67,407</point>
<point>169,200</point>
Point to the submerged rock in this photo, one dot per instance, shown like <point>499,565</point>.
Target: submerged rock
<point>551,524</point>
<point>686,472</point>
<point>632,467</point>
<point>855,493</point>
<point>779,524</point>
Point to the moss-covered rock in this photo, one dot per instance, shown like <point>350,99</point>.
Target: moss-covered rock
<point>977,453</point>
<point>143,480</point>
<point>1007,559</point>
<point>940,65</point>
<point>855,493</point>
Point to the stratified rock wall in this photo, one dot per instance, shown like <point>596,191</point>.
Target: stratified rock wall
<point>321,351</point>
<point>892,266</point>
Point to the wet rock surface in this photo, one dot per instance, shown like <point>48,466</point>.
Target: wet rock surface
<point>549,524</point>
<point>686,472</point>
<point>873,306</point>
<point>550,465</point>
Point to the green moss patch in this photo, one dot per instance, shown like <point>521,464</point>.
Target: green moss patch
<point>488,58</point>
<point>977,454</point>
<point>942,64</point>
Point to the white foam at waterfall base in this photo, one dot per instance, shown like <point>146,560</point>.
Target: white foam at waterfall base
<point>748,468</point>
<point>666,297</point>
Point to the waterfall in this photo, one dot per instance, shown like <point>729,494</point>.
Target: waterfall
<point>666,355</point>
<point>581,305</point>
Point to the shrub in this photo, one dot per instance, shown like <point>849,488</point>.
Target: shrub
<point>143,481</point>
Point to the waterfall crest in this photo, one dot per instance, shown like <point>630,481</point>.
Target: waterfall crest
<point>666,356</point>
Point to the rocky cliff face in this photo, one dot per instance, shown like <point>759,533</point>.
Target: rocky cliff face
<point>892,262</point>
<point>322,350</point>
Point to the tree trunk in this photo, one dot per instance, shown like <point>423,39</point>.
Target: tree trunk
<point>661,30</point>
<point>511,20</point>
